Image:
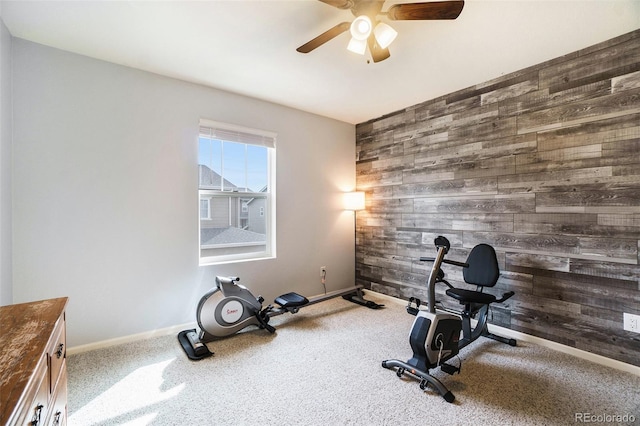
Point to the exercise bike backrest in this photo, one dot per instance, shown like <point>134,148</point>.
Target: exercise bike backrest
<point>482,269</point>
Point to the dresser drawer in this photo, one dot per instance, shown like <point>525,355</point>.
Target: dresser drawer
<point>57,351</point>
<point>35,410</point>
<point>58,410</point>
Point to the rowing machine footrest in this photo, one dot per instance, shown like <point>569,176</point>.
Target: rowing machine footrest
<point>192,346</point>
<point>291,300</point>
<point>355,298</point>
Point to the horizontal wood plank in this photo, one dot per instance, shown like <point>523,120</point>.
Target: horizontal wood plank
<point>608,106</point>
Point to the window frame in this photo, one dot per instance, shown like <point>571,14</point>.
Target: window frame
<point>246,136</point>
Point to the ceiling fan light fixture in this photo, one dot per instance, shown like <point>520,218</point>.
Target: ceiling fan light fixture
<point>361,27</point>
<point>357,46</point>
<point>384,34</point>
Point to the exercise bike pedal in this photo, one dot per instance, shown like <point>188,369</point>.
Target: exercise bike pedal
<point>413,311</point>
<point>449,369</point>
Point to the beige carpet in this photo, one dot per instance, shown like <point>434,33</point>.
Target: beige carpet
<point>323,367</point>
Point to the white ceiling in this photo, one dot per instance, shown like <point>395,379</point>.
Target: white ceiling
<point>248,47</point>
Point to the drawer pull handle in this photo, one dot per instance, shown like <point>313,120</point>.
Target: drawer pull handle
<point>60,350</point>
<point>36,415</point>
<point>56,419</point>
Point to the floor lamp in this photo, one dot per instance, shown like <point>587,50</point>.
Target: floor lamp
<point>354,201</point>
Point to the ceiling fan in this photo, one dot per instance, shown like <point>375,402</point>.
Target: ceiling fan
<point>368,31</point>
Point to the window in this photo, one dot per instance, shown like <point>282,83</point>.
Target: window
<point>236,187</point>
<point>205,206</point>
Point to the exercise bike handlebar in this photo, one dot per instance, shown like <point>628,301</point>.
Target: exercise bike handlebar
<point>451,262</point>
<point>443,246</point>
<point>505,296</point>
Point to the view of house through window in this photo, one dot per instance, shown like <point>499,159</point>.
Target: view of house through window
<point>236,190</point>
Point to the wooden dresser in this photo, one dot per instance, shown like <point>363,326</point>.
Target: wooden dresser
<point>33,368</point>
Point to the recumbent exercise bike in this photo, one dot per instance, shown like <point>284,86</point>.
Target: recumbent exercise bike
<point>435,334</point>
<point>229,308</point>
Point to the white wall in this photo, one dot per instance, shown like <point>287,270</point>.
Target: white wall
<point>105,205</point>
<point>6,295</point>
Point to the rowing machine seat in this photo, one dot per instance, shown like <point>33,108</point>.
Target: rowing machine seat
<point>291,300</point>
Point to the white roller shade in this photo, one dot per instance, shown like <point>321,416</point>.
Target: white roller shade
<point>234,133</point>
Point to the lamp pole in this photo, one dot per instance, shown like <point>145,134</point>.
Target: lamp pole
<point>355,201</point>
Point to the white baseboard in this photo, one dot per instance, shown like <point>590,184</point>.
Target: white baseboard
<point>578,353</point>
<point>131,338</point>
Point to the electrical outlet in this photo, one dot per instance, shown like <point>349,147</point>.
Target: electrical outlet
<point>631,322</point>
<point>323,271</point>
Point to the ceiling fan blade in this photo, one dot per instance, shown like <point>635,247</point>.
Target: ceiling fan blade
<point>377,53</point>
<point>324,37</point>
<point>340,4</point>
<point>426,11</point>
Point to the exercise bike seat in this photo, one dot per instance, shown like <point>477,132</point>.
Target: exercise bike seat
<point>470,296</point>
<point>291,300</point>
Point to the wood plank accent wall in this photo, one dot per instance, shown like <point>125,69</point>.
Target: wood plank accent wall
<point>544,165</point>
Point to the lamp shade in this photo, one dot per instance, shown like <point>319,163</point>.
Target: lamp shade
<point>384,34</point>
<point>354,201</point>
<point>361,27</point>
<point>357,46</point>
